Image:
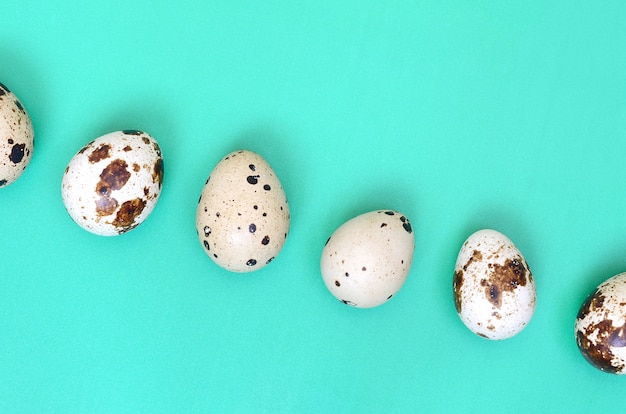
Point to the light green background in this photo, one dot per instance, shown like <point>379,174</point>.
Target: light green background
<point>462,115</point>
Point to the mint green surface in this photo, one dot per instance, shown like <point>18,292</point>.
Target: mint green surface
<point>461,115</point>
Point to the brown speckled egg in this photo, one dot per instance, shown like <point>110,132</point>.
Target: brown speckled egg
<point>601,326</point>
<point>242,219</point>
<point>367,259</point>
<point>16,137</point>
<point>494,290</point>
<point>113,183</point>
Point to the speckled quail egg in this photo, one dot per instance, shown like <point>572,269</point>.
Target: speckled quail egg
<point>242,218</point>
<point>494,290</point>
<point>601,326</point>
<point>114,182</point>
<point>367,259</point>
<point>16,137</point>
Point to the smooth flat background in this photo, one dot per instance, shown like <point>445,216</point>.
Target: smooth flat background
<point>462,115</point>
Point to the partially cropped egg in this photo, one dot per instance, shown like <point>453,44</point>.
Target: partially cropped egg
<point>366,260</point>
<point>494,290</point>
<point>16,137</point>
<point>114,182</point>
<point>601,326</point>
<point>242,218</point>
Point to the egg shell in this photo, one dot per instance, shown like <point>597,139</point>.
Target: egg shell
<point>367,259</point>
<point>494,290</point>
<point>16,137</point>
<point>243,218</point>
<point>601,326</point>
<point>114,182</point>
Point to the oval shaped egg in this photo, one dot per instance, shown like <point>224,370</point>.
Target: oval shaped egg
<point>242,219</point>
<point>16,137</point>
<point>601,326</point>
<point>367,259</point>
<point>494,290</point>
<point>113,183</point>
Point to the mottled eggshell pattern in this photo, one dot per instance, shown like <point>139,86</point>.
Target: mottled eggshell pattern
<point>242,219</point>
<point>16,137</point>
<point>494,290</point>
<point>113,183</point>
<point>601,326</point>
<point>367,259</point>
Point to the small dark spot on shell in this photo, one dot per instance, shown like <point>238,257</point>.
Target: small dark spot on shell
<point>347,274</point>
<point>383,225</point>
<point>132,132</point>
<point>457,284</point>
<point>264,214</point>
<point>127,148</point>
<point>251,262</point>
<point>389,297</point>
<point>265,241</point>
<point>145,140</point>
<point>206,244</point>
<point>157,175</point>
<point>252,167</point>
<point>593,302</point>
<point>253,179</point>
<point>337,283</point>
<point>327,241</point>
<point>252,228</point>
<point>10,141</point>
<point>347,302</point>
<point>407,227</point>
<point>127,213</point>
<point>17,153</point>
<point>364,268</point>
<point>100,153</point>
<point>269,260</point>
<point>136,167</point>
<point>214,255</point>
<point>389,213</point>
<point>255,207</point>
<point>504,278</point>
<point>105,206</point>
<point>207,231</point>
<point>266,187</point>
<point>3,182</point>
<point>19,105</point>
<point>113,177</point>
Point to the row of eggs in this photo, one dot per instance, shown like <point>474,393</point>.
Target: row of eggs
<point>113,183</point>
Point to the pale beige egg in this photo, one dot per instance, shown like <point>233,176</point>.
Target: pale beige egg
<point>242,218</point>
<point>366,260</point>
<point>16,137</point>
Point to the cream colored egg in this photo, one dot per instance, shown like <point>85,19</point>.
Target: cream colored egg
<point>494,290</point>
<point>16,137</point>
<point>113,183</point>
<point>242,219</point>
<point>366,260</point>
<point>601,326</point>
